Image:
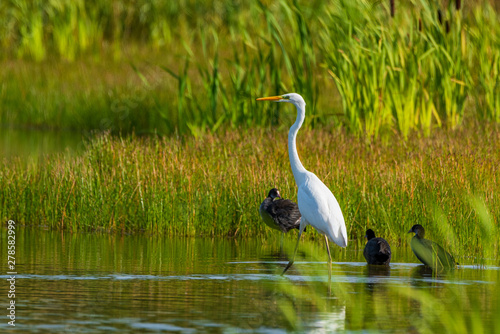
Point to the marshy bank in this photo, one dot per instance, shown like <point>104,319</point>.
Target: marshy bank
<point>213,186</point>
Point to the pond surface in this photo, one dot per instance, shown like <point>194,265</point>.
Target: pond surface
<point>35,143</point>
<point>90,283</point>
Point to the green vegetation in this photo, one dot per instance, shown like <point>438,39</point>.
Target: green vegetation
<point>184,66</point>
<point>213,186</point>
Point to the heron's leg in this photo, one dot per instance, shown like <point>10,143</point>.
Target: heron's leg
<point>302,227</point>
<point>328,249</point>
<point>329,266</point>
<point>330,279</point>
<point>293,257</point>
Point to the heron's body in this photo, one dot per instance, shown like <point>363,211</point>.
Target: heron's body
<point>280,214</point>
<point>317,205</point>
<point>428,252</point>
<point>321,210</point>
<point>377,250</point>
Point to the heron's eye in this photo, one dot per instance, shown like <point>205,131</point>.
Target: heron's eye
<point>285,97</point>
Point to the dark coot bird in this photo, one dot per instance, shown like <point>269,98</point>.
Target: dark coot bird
<point>280,214</point>
<point>377,250</point>
<point>428,252</point>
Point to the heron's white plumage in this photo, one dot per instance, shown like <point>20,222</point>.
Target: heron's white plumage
<point>321,210</point>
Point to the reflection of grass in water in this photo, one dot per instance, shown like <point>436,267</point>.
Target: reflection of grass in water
<point>420,303</point>
<point>183,186</point>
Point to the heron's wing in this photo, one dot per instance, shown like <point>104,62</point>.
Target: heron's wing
<point>321,210</point>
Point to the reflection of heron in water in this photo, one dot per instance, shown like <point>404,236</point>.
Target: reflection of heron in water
<point>428,252</point>
<point>317,205</point>
<point>332,321</point>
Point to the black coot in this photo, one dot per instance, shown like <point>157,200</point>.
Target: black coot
<point>377,250</point>
<point>280,214</point>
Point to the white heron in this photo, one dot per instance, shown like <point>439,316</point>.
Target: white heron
<point>317,205</point>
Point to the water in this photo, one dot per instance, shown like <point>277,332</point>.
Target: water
<point>36,143</point>
<point>88,283</point>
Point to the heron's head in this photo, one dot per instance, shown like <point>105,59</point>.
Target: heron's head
<point>274,193</point>
<point>369,234</point>
<point>290,97</point>
<point>418,230</point>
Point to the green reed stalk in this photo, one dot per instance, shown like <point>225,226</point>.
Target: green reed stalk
<point>485,41</point>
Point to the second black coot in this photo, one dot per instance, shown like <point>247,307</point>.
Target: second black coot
<point>377,250</point>
<point>428,252</point>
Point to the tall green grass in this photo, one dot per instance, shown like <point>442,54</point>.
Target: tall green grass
<point>409,73</point>
<point>214,185</point>
<point>197,67</point>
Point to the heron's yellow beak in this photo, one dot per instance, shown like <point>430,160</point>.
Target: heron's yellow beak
<point>270,98</point>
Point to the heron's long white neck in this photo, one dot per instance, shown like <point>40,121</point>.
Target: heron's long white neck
<point>297,168</point>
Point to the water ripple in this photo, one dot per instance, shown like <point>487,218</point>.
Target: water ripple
<point>256,277</point>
